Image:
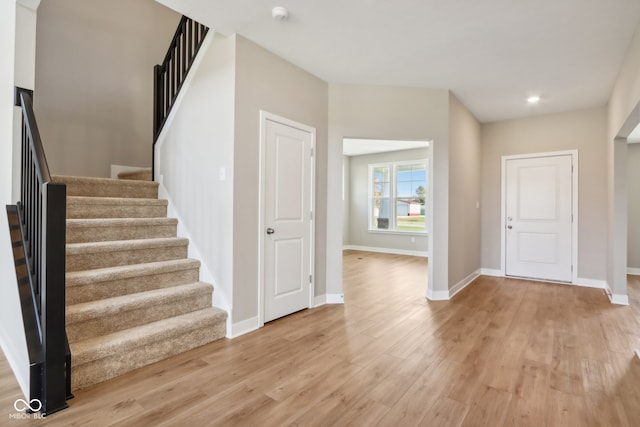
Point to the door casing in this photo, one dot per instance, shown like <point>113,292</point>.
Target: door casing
<point>574,207</point>
<point>264,117</point>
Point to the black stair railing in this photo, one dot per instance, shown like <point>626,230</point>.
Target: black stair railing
<point>38,226</point>
<point>169,76</point>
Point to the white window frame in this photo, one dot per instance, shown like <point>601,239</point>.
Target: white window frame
<point>393,198</point>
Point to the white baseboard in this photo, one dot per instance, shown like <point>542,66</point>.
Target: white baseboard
<point>244,327</point>
<point>633,271</point>
<point>424,254</point>
<point>463,283</point>
<point>335,298</point>
<point>617,299</point>
<point>319,300</point>
<point>437,295</point>
<point>328,299</point>
<point>591,283</point>
<point>491,272</point>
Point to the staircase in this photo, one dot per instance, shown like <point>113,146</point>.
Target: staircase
<point>133,296</point>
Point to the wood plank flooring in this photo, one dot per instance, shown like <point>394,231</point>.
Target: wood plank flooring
<point>502,352</point>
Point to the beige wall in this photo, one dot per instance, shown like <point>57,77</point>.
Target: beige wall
<point>464,192</point>
<point>267,82</point>
<point>358,221</point>
<point>584,131</point>
<point>633,191</point>
<point>623,115</point>
<point>381,112</point>
<point>94,81</point>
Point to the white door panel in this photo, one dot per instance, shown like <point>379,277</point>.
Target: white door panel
<point>539,218</point>
<point>287,219</point>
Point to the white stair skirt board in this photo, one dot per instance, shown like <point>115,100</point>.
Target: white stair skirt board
<point>386,250</point>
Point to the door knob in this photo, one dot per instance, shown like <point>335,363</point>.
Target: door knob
<point>509,227</point>
<point>270,230</point>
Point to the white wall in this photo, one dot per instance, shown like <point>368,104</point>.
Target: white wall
<point>17,51</point>
<point>358,205</point>
<point>633,191</point>
<point>94,81</point>
<point>583,130</point>
<point>198,143</point>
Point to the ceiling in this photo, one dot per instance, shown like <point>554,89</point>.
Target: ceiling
<point>492,54</point>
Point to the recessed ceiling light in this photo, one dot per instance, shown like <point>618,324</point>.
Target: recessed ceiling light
<point>533,99</point>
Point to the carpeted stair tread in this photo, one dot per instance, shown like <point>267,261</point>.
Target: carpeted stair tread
<point>106,187</point>
<point>107,229</point>
<point>87,256</point>
<point>86,277</point>
<point>101,317</point>
<point>143,174</point>
<point>90,285</point>
<point>123,341</point>
<point>115,207</point>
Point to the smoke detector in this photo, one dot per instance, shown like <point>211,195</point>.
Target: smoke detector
<point>280,13</point>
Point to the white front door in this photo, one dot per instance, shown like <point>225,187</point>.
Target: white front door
<point>288,192</point>
<point>538,218</point>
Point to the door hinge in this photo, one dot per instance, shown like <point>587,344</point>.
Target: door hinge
<point>311,278</point>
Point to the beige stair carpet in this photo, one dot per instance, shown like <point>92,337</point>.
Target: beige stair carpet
<point>143,174</point>
<point>133,296</point>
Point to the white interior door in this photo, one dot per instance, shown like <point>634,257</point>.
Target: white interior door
<point>287,220</point>
<point>538,218</point>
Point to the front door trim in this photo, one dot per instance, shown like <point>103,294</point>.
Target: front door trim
<point>264,117</point>
<point>574,207</point>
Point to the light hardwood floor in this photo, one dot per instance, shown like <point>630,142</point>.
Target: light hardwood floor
<point>502,352</point>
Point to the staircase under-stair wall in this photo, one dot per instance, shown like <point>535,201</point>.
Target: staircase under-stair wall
<point>133,296</point>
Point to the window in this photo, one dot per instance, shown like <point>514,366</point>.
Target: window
<point>398,193</point>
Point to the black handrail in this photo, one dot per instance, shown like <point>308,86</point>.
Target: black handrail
<point>169,76</point>
<point>39,220</point>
